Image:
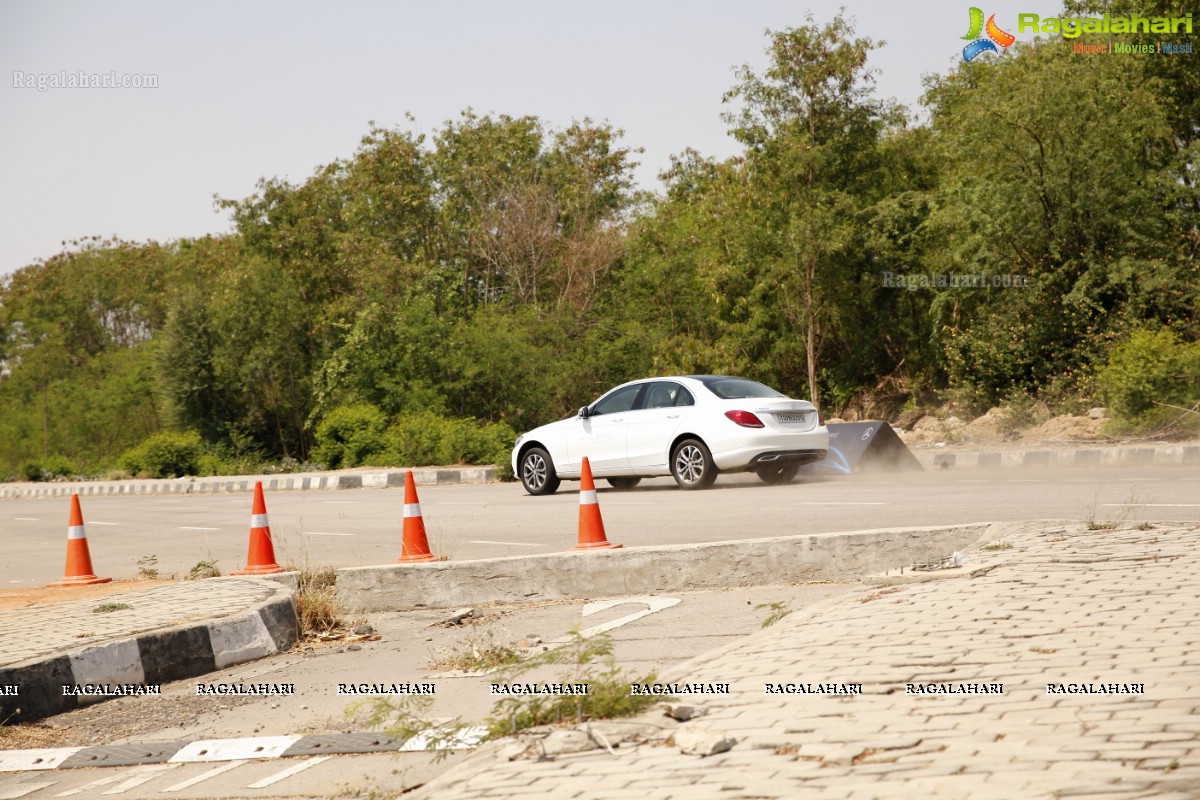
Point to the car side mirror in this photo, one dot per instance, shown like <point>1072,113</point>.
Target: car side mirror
<point>584,413</point>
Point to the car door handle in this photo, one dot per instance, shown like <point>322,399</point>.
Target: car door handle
<point>672,416</point>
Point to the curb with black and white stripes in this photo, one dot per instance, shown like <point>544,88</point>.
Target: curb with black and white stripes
<point>1160,455</point>
<point>287,483</point>
<point>153,658</point>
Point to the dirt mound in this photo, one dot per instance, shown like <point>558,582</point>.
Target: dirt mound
<point>988,428</point>
<point>994,429</point>
<point>1066,429</point>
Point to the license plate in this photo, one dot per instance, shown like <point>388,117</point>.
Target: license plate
<point>790,417</point>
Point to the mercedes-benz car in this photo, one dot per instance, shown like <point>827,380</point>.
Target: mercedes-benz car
<point>691,427</point>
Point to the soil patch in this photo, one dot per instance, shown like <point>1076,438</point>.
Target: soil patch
<point>48,595</point>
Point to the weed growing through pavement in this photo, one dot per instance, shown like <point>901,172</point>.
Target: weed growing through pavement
<point>203,569</point>
<point>994,546</point>
<point>105,608</point>
<point>1093,523</point>
<point>407,717</point>
<point>477,654</point>
<point>587,660</point>
<point>779,610</point>
<point>316,602</point>
<point>147,568</point>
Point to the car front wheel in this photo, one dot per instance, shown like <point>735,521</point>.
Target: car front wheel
<point>537,472</point>
<point>692,465</point>
<point>778,473</point>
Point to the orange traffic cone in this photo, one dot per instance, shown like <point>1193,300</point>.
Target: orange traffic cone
<point>591,525</point>
<point>415,546</point>
<point>260,560</point>
<point>79,560</point>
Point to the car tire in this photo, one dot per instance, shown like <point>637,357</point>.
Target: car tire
<point>537,472</point>
<point>623,484</point>
<point>776,474</point>
<point>692,465</point>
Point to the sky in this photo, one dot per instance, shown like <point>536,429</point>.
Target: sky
<point>276,89</point>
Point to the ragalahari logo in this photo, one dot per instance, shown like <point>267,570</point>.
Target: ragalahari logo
<point>984,38</point>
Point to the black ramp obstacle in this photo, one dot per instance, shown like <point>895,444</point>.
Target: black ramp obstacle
<point>864,446</point>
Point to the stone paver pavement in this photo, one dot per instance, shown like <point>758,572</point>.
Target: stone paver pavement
<point>1060,605</point>
<point>43,630</point>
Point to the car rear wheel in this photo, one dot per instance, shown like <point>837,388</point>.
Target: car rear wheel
<point>777,473</point>
<point>623,484</point>
<point>692,465</point>
<point>537,472</point>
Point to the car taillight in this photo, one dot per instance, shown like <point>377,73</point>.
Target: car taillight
<point>745,419</point>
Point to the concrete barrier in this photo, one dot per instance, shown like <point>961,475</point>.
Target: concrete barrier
<point>383,479</point>
<point>640,570</point>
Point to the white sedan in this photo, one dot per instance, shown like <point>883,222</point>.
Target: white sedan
<point>689,427</point>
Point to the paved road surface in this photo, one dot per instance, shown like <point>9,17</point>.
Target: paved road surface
<point>362,527</point>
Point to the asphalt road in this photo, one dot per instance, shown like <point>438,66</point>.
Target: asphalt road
<point>363,527</point>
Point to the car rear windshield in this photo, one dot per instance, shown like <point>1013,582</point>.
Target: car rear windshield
<point>738,388</point>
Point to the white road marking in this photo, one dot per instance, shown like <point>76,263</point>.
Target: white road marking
<point>506,544</point>
<point>27,519</point>
<point>92,785</point>
<point>342,502</point>
<point>289,772</point>
<point>1153,505</point>
<point>43,758</point>
<point>22,789</point>
<point>140,775</point>
<point>465,738</point>
<point>653,604</point>
<point>194,528</point>
<point>203,776</point>
<point>323,533</point>
<point>94,522</point>
<point>840,503</point>
<point>233,749</point>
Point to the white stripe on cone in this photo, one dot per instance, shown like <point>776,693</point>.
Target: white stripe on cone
<point>258,521</point>
<point>588,498</point>
<point>412,509</point>
<point>75,532</point>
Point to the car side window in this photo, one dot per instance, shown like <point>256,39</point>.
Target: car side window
<point>618,401</point>
<point>661,395</point>
<point>666,394</point>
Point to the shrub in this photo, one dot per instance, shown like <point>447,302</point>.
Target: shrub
<point>348,435</point>
<point>424,439</point>
<point>165,455</point>
<point>1149,367</point>
<point>48,469</point>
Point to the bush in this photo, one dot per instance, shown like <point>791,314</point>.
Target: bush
<point>48,469</point>
<point>424,439</point>
<point>165,455</point>
<point>348,435</point>
<point>1149,367</point>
